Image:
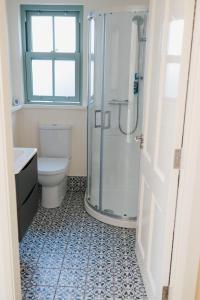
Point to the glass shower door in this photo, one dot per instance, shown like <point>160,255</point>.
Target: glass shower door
<point>94,111</point>
<point>121,153</point>
<point>115,114</point>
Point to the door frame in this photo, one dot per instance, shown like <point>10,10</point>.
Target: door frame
<point>9,249</point>
<point>186,246</point>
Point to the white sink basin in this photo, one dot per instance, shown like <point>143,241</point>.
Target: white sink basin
<point>17,153</point>
<point>21,157</point>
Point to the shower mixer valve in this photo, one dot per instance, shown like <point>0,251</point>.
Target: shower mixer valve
<point>137,78</point>
<point>135,87</point>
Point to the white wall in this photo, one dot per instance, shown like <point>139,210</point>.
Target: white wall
<point>27,120</point>
<point>15,117</point>
<point>9,246</point>
<point>28,129</point>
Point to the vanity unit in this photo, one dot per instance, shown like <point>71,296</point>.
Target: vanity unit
<point>26,179</point>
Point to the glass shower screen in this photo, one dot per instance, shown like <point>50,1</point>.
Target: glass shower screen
<point>116,48</point>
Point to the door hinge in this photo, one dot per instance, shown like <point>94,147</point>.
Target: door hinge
<point>177,159</point>
<point>165,293</point>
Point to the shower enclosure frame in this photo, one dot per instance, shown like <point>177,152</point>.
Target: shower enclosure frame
<point>98,213</point>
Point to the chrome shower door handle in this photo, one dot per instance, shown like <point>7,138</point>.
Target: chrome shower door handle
<point>107,119</point>
<point>140,139</point>
<point>96,124</point>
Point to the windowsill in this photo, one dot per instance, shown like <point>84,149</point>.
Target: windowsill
<point>16,108</point>
<point>38,106</point>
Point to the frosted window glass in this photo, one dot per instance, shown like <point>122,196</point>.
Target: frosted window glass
<point>65,78</point>
<point>65,34</point>
<point>42,33</point>
<point>172,80</point>
<point>176,30</point>
<point>92,78</point>
<point>42,77</point>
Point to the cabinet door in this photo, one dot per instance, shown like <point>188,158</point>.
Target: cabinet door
<point>26,180</point>
<point>27,211</point>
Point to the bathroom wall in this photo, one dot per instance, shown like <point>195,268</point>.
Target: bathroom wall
<point>28,127</point>
<point>26,121</point>
<point>15,127</point>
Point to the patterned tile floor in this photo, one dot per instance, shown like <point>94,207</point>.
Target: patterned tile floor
<point>66,254</point>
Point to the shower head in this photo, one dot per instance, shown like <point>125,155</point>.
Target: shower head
<point>141,25</point>
<point>138,19</point>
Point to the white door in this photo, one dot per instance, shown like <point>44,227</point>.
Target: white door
<point>168,52</point>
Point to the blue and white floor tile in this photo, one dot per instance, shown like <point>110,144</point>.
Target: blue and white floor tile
<point>66,254</point>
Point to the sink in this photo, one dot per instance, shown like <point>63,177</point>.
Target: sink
<point>17,153</point>
<point>21,157</point>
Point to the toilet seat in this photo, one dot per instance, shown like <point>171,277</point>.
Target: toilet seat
<point>52,165</point>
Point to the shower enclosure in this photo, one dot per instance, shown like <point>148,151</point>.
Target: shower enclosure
<point>115,85</point>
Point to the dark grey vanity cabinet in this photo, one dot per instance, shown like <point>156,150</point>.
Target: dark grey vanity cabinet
<point>27,195</point>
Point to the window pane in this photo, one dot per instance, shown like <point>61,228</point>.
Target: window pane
<point>42,77</point>
<point>42,34</point>
<point>65,78</point>
<point>65,34</point>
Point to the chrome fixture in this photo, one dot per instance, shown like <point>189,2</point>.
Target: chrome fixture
<point>120,103</point>
<point>140,139</point>
<point>117,102</point>
<point>105,117</point>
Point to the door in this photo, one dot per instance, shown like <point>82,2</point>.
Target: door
<point>122,109</point>
<point>95,110</point>
<point>115,112</point>
<point>168,52</point>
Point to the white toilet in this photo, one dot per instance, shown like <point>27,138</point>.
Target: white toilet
<point>53,163</point>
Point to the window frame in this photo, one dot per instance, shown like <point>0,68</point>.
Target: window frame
<point>27,11</point>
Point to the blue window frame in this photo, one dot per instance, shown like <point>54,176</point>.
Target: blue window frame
<point>52,53</point>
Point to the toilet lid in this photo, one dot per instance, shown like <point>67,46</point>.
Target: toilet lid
<point>49,166</point>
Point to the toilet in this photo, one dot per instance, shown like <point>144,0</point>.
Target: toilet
<point>53,163</point>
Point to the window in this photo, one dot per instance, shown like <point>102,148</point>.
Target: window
<point>52,42</point>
